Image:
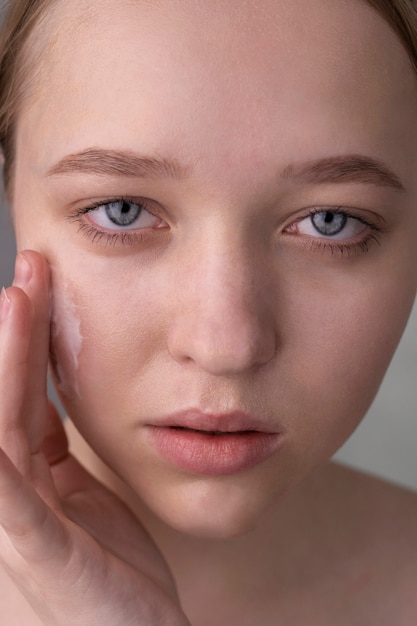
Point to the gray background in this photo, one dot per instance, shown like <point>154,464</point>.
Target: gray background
<point>385,442</point>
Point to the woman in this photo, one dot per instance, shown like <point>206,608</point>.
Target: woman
<point>214,205</point>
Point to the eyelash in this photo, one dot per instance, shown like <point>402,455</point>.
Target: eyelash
<point>318,244</point>
<point>101,236</point>
<point>336,248</point>
<point>344,250</point>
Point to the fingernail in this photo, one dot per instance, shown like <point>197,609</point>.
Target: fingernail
<point>4,304</point>
<point>23,271</point>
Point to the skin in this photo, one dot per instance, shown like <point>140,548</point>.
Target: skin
<point>229,301</point>
<point>223,305</point>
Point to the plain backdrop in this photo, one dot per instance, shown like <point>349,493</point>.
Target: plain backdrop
<point>386,441</point>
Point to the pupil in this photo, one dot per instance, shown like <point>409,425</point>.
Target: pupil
<point>123,213</point>
<point>329,223</point>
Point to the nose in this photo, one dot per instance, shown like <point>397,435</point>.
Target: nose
<point>222,317</point>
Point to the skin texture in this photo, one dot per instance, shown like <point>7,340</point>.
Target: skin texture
<point>226,299</point>
<point>223,305</point>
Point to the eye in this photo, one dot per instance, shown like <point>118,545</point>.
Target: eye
<point>330,224</point>
<point>125,214</point>
<point>120,221</point>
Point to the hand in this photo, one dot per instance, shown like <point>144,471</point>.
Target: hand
<point>75,551</point>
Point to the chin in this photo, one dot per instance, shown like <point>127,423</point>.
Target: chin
<point>222,527</point>
<point>213,509</point>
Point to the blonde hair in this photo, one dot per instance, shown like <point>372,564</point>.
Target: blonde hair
<point>22,16</point>
<point>19,18</point>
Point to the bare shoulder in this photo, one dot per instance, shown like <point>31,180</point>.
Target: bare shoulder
<point>375,504</point>
<point>14,608</point>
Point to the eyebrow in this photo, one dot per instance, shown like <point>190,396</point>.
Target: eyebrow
<point>352,168</point>
<point>126,164</point>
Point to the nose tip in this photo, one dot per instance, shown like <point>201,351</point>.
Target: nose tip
<point>223,342</point>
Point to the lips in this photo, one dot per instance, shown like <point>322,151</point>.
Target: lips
<point>193,419</point>
<point>214,445</point>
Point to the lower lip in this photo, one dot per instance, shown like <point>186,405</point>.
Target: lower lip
<point>213,455</point>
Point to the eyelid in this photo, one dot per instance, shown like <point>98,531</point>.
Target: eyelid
<point>96,204</point>
<point>150,206</point>
<point>375,222</point>
<point>373,228</point>
<point>118,235</point>
<point>109,216</point>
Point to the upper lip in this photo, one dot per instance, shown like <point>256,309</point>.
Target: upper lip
<point>194,419</point>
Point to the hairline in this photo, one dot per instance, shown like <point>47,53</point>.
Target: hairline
<point>38,45</point>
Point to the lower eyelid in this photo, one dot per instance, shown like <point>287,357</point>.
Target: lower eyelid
<point>112,239</point>
<point>347,250</point>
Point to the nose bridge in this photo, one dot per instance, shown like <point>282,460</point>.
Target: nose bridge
<point>223,323</point>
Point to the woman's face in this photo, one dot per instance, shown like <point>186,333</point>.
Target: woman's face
<point>247,255</point>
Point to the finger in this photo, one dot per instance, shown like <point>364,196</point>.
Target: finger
<point>31,527</point>
<point>15,329</point>
<point>94,507</point>
<point>55,443</point>
<point>44,554</point>
<point>32,276</point>
<point>64,574</point>
<point>53,451</point>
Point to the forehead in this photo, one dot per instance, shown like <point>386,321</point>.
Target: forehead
<point>210,78</point>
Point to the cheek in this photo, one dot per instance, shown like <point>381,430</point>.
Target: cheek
<point>120,316</point>
<point>346,339</point>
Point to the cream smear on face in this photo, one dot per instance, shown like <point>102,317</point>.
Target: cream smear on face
<point>66,338</point>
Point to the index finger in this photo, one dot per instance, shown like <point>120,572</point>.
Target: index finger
<point>24,343</point>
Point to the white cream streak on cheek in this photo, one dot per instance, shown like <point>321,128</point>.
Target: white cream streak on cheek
<point>66,338</point>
